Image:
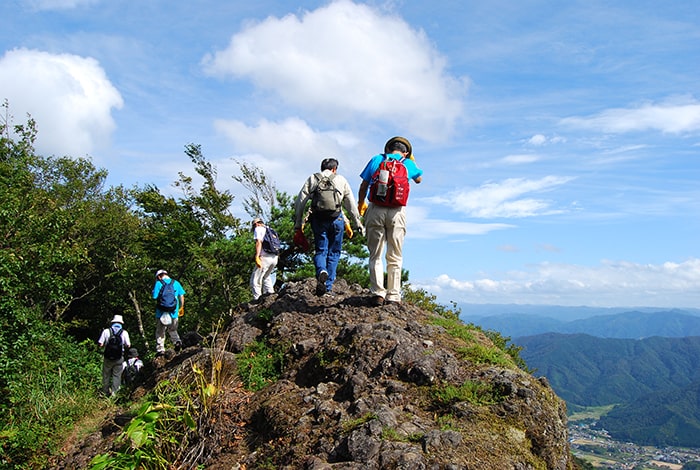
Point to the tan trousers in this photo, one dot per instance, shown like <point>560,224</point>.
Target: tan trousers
<point>386,228</point>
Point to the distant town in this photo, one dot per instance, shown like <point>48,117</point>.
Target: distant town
<point>599,449</point>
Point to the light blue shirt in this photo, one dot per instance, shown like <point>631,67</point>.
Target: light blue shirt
<point>373,165</point>
<point>179,290</point>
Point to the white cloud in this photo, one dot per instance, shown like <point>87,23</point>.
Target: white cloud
<point>673,117</point>
<point>504,199</point>
<point>610,284</point>
<point>57,4</point>
<point>348,61</point>
<point>519,159</point>
<point>69,97</point>
<point>539,140</point>
<point>421,225</point>
<point>290,148</point>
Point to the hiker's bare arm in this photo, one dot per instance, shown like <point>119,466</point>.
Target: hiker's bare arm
<point>362,192</point>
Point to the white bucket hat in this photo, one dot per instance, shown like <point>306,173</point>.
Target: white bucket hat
<point>118,319</point>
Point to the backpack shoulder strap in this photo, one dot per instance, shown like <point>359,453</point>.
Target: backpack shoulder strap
<point>317,176</point>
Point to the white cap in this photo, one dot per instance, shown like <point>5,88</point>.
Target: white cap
<point>161,271</point>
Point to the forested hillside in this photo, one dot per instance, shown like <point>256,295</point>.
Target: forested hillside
<point>74,252</point>
<point>668,418</point>
<point>654,382</point>
<point>590,371</point>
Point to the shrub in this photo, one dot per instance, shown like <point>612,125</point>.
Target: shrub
<point>259,365</point>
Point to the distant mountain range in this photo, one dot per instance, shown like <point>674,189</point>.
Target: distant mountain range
<point>644,360</point>
<point>635,324</point>
<point>655,382</point>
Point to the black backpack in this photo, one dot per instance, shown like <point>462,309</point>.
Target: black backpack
<point>114,349</point>
<point>167,302</point>
<point>326,199</point>
<point>271,242</point>
<point>130,372</point>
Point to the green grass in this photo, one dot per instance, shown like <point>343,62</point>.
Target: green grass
<point>476,393</point>
<point>353,424</point>
<point>259,365</point>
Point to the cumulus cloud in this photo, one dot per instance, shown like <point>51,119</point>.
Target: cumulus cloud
<point>69,97</point>
<point>348,61</point>
<point>289,147</point>
<point>674,117</point>
<point>504,199</point>
<point>610,284</point>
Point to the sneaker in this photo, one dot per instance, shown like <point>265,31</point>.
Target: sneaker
<point>321,282</point>
<point>377,301</point>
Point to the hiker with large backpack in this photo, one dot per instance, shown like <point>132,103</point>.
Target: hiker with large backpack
<point>329,193</point>
<point>385,179</point>
<point>114,340</point>
<point>267,249</point>
<point>170,306</point>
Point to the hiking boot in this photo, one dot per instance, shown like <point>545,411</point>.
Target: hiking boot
<point>178,346</point>
<point>321,282</point>
<point>377,301</point>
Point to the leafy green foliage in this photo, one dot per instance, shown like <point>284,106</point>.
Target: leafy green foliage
<point>39,408</point>
<point>428,302</point>
<point>155,437</point>
<point>259,365</point>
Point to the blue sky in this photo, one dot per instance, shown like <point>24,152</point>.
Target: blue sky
<point>560,140</point>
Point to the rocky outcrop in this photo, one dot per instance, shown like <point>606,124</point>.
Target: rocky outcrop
<point>361,387</point>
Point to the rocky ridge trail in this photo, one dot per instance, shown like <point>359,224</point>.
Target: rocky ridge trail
<point>361,387</point>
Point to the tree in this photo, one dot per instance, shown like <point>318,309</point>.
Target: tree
<point>199,241</point>
<point>44,269</point>
<point>263,193</point>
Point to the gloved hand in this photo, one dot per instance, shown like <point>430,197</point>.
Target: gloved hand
<point>258,262</point>
<point>300,240</point>
<point>348,229</point>
<point>362,207</point>
<point>181,311</point>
